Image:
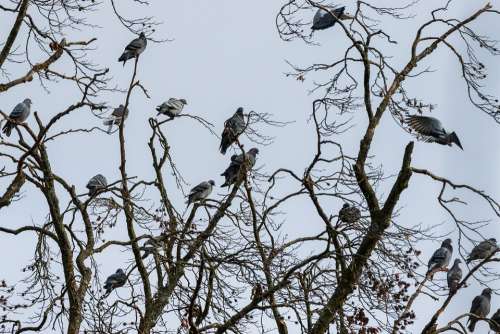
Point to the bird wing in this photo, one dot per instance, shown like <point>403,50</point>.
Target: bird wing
<point>439,256</point>
<point>19,112</point>
<point>200,188</point>
<point>476,305</point>
<point>136,45</point>
<point>427,126</point>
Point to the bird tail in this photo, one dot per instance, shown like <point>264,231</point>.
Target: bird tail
<point>223,147</point>
<point>472,324</point>
<point>7,128</point>
<point>453,287</point>
<point>124,57</point>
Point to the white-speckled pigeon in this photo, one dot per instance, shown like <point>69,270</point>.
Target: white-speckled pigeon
<point>349,214</point>
<point>441,258</point>
<point>454,276</point>
<point>115,280</point>
<point>17,116</point>
<point>495,322</point>
<point>96,183</point>
<point>134,48</point>
<point>116,117</point>
<point>233,127</point>
<point>483,250</point>
<point>324,19</point>
<point>200,192</point>
<point>432,130</point>
<point>480,308</point>
<point>172,107</point>
<point>232,172</point>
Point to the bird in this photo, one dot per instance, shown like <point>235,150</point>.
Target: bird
<point>324,19</point>
<point>432,130</point>
<point>480,308</point>
<point>116,117</point>
<point>232,172</point>
<point>96,183</point>
<point>441,257</point>
<point>18,115</point>
<point>482,250</point>
<point>200,192</point>
<point>495,322</point>
<point>233,127</point>
<point>454,276</point>
<point>172,107</point>
<point>116,280</point>
<point>349,214</point>
<point>134,48</point>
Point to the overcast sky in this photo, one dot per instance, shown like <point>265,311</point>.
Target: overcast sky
<point>226,54</point>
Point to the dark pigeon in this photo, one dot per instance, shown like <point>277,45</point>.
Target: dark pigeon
<point>96,183</point>
<point>114,281</point>
<point>18,115</point>
<point>480,308</point>
<point>441,257</point>
<point>233,127</point>
<point>495,322</point>
<point>432,130</point>
<point>200,192</point>
<point>232,172</point>
<point>454,276</point>
<point>349,214</point>
<point>324,19</point>
<point>134,48</point>
<point>483,250</point>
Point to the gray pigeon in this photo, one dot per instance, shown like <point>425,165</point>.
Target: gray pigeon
<point>17,116</point>
<point>114,281</point>
<point>495,322</point>
<point>231,173</point>
<point>233,127</point>
<point>96,183</point>
<point>324,19</point>
<point>483,250</point>
<point>116,117</point>
<point>454,276</point>
<point>200,192</point>
<point>349,214</point>
<point>134,48</point>
<point>432,130</point>
<point>172,107</point>
<point>441,257</point>
<point>480,308</point>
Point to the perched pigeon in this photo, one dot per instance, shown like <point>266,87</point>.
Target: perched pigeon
<point>134,48</point>
<point>172,107</point>
<point>349,214</point>
<point>323,19</point>
<point>432,130</point>
<point>233,127</point>
<point>454,276</point>
<point>96,183</point>
<point>200,192</point>
<point>480,308</point>
<point>441,257</point>
<point>17,116</point>
<point>116,117</point>
<point>495,322</point>
<point>114,281</point>
<point>483,250</point>
<point>231,173</point>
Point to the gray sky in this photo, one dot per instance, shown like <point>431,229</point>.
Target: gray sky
<point>227,54</point>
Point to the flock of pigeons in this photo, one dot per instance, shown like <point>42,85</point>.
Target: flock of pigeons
<point>440,260</point>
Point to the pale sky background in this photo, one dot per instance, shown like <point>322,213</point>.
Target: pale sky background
<point>227,54</point>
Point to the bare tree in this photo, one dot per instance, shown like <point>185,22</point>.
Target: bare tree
<point>225,265</point>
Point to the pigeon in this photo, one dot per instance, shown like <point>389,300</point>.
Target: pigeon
<point>323,19</point>
<point>232,172</point>
<point>96,183</point>
<point>134,48</point>
<point>454,276</point>
<point>17,116</point>
<point>116,117</point>
<point>172,107</point>
<point>432,130</point>
<point>233,127</point>
<point>480,308</point>
<point>200,192</point>
<point>114,281</point>
<point>495,322</point>
<point>349,214</point>
<point>483,250</point>
<point>441,257</point>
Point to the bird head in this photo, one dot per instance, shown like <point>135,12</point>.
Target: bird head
<point>183,101</point>
<point>346,205</point>
<point>253,151</point>
<point>27,102</point>
<point>486,292</point>
<point>447,241</point>
<point>142,35</point>
<point>212,182</point>
<point>492,240</point>
<point>120,271</point>
<point>454,139</point>
<point>239,111</point>
<point>457,261</point>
